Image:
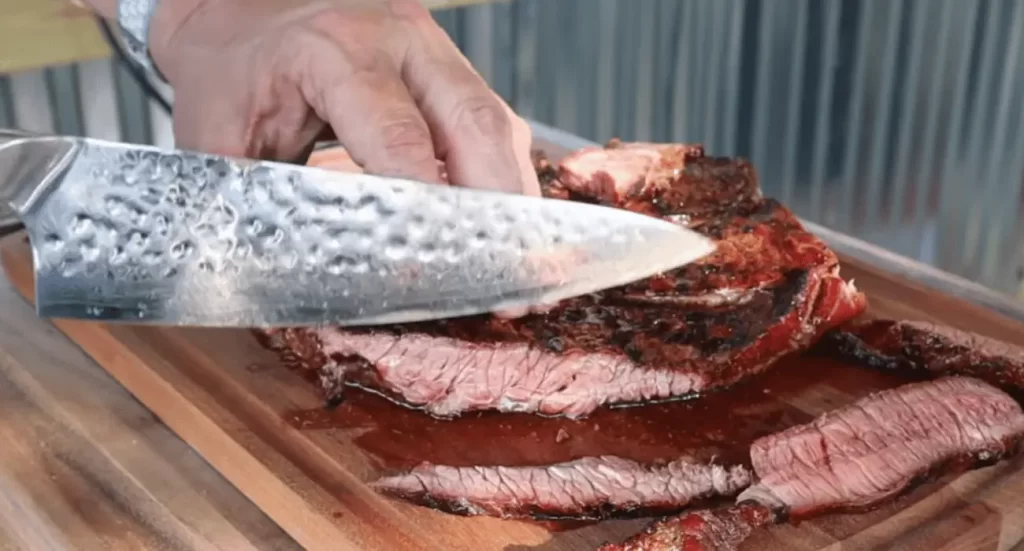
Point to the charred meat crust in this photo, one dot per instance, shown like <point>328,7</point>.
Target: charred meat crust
<point>605,324</point>
<point>755,250</point>
<point>295,351</point>
<point>928,349</point>
<point>705,530</point>
<point>305,355</point>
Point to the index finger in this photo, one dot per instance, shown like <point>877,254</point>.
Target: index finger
<point>484,144</point>
<point>370,110</point>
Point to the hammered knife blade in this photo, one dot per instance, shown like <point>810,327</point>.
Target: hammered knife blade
<point>145,235</point>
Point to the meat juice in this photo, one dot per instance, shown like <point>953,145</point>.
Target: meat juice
<point>719,426</point>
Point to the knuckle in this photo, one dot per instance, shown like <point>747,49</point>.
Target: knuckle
<point>346,23</point>
<point>411,11</point>
<point>404,137</point>
<point>295,48</point>
<point>352,30</point>
<point>300,60</point>
<point>482,118</point>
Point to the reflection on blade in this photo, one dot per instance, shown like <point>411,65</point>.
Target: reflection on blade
<point>143,235</point>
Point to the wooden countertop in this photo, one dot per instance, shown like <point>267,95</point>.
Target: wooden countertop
<point>83,465</point>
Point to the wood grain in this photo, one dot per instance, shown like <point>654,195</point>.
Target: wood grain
<point>83,465</point>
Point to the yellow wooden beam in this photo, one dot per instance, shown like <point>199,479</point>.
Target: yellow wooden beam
<point>42,33</point>
<point>39,33</point>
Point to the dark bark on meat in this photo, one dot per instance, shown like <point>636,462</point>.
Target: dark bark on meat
<point>770,288</point>
<point>593,488</point>
<point>929,349</point>
<point>706,530</point>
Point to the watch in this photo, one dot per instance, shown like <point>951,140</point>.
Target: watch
<point>133,18</point>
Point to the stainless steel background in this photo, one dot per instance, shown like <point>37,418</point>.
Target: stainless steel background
<point>898,122</point>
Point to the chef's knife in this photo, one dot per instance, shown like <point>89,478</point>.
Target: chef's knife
<point>129,233</point>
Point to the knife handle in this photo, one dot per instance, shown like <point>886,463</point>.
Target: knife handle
<point>8,219</point>
<point>26,160</point>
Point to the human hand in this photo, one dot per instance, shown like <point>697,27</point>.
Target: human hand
<point>264,78</point>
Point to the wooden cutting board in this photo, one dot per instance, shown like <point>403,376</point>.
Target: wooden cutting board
<point>263,427</point>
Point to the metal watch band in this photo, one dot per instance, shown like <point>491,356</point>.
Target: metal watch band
<point>133,18</point>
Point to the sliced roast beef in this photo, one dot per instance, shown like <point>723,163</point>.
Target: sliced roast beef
<point>589,488</point>
<point>705,530</point>
<point>930,348</point>
<point>771,288</point>
<point>865,453</point>
<point>854,458</point>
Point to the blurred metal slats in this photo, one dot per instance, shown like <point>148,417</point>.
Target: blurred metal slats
<point>99,100</point>
<point>913,107</point>
<point>899,122</point>
<point>6,103</point>
<point>880,142</point>
<point>711,73</point>
<point>978,143</point>
<point>564,53</point>
<point>732,37</point>
<point>682,109</point>
<point>30,102</point>
<point>819,175</point>
<point>925,170</point>
<point>604,92</point>
<point>1005,165</point>
<point>626,62</point>
<point>524,60</point>
<point>840,214</point>
<point>949,176</point>
<point>62,82</point>
<point>767,67</point>
<point>700,65</point>
<point>791,130</point>
<point>588,54</point>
